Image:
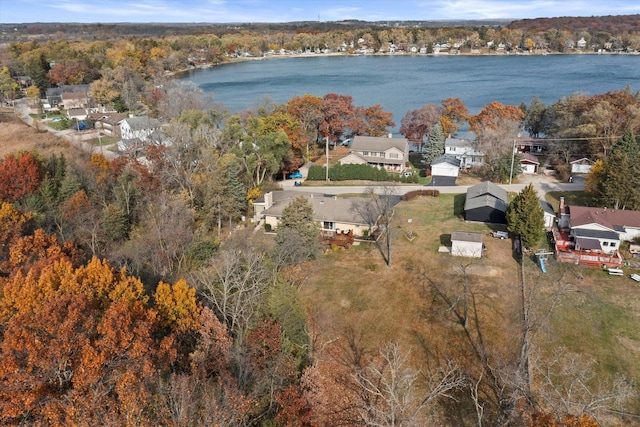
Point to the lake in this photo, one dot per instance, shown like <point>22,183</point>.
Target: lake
<point>402,83</point>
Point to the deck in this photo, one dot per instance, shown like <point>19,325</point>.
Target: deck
<point>565,252</point>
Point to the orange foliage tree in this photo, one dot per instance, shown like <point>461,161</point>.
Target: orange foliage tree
<point>81,346</point>
<point>493,115</point>
<point>19,176</point>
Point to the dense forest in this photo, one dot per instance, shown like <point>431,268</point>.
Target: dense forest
<point>137,293</point>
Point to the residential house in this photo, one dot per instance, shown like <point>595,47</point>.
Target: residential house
<point>592,236</point>
<point>333,214</point>
<point>77,113</point>
<point>53,95</point>
<point>549,214</point>
<point>74,99</point>
<point>486,202</point>
<point>108,123</point>
<point>389,153</point>
<point>529,163</point>
<point>138,127</point>
<point>466,244</point>
<point>463,150</point>
<point>582,165</point>
<point>444,170</point>
<point>582,43</point>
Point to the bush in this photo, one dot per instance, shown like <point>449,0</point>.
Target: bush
<point>267,227</point>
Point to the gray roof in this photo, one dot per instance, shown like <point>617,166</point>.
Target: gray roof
<point>378,143</point>
<point>141,123</point>
<point>466,236</point>
<point>325,207</point>
<point>547,208</point>
<point>585,243</point>
<point>595,234</point>
<point>446,159</point>
<point>483,201</point>
<point>488,188</point>
<point>455,142</point>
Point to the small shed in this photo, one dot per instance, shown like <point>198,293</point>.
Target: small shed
<point>466,244</point>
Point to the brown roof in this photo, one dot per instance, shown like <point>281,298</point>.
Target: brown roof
<point>613,219</point>
<point>526,157</point>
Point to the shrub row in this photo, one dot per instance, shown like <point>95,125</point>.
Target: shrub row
<point>413,194</point>
<point>339,172</point>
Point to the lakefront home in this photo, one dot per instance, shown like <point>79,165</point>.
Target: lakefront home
<point>463,150</point>
<point>388,153</point>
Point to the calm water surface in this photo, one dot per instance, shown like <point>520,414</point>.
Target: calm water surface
<point>403,83</point>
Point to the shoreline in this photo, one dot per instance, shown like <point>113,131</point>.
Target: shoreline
<point>340,54</point>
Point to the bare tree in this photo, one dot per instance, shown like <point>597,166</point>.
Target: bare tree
<point>568,386</point>
<point>235,285</point>
<point>377,211</point>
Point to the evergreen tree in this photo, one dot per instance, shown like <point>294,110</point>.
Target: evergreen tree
<point>618,183</point>
<point>525,217</point>
<point>435,144</point>
<point>297,239</point>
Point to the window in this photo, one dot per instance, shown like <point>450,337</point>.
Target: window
<point>365,153</point>
<point>393,155</point>
<point>328,225</point>
<point>605,243</point>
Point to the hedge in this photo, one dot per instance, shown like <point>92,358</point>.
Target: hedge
<point>340,172</point>
<point>413,194</point>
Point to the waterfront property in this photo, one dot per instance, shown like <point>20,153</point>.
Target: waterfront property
<point>391,154</point>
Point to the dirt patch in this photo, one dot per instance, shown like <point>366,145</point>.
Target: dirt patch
<point>16,136</point>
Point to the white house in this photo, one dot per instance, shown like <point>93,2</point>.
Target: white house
<point>582,165</point>
<point>389,153</point>
<point>445,166</point>
<point>463,150</point>
<point>138,127</point>
<point>466,244</point>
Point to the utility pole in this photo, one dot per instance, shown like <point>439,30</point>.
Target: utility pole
<point>513,157</point>
<point>327,155</point>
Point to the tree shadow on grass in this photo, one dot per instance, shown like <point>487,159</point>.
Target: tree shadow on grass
<point>458,205</point>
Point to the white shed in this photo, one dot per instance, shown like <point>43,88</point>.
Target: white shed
<point>466,243</point>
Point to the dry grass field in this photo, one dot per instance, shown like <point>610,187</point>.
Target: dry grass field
<point>16,136</point>
<point>597,316</point>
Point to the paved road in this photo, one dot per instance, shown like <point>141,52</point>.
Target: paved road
<point>76,139</point>
<point>542,184</point>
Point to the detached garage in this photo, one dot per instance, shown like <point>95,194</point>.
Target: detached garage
<point>466,243</point>
<point>486,202</point>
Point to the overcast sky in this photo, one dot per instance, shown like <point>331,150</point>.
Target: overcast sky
<point>220,11</point>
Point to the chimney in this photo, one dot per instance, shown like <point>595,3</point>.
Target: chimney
<point>561,207</point>
<point>268,200</point>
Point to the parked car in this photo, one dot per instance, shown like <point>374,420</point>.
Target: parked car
<point>295,175</point>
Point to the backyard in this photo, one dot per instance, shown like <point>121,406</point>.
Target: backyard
<point>595,315</point>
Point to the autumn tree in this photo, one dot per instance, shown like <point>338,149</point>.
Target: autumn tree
<point>307,109</point>
<point>80,346</point>
<point>454,115</point>
<point>8,86</point>
<point>525,217</point>
<point>337,114</point>
<point>417,124</point>
<point>372,121</point>
<point>19,176</point>
<point>492,117</point>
